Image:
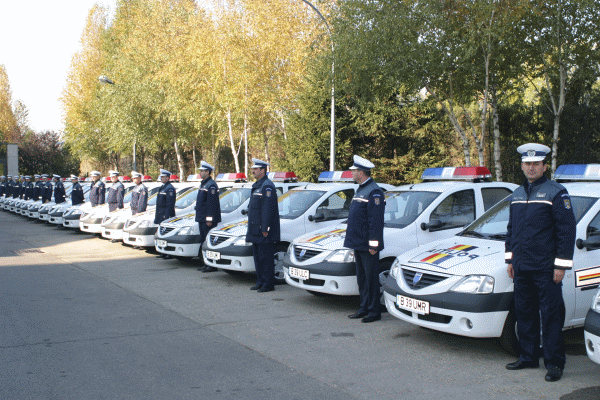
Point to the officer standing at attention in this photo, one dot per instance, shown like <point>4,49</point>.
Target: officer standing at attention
<point>139,195</point>
<point>208,206</point>
<point>59,190</point>
<point>17,187</point>
<point>115,192</point>
<point>2,185</point>
<point>97,190</point>
<point>37,188</point>
<point>76,191</point>
<point>539,245</point>
<point>165,201</point>
<point>28,191</point>
<point>263,227</point>
<point>10,186</point>
<point>364,235</point>
<point>47,192</point>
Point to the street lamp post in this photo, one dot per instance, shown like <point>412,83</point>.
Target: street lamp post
<point>106,80</point>
<point>332,134</point>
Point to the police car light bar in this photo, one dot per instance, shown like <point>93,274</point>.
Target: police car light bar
<point>126,178</point>
<point>578,172</point>
<point>336,176</point>
<point>174,178</point>
<point>146,178</point>
<point>194,178</point>
<point>282,176</point>
<point>456,173</point>
<point>233,177</point>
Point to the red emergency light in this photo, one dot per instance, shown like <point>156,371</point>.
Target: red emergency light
<point>283,176</point>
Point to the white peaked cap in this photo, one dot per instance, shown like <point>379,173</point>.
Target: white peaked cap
<point>259,163</point>
<point>362,163</point>
<point>206,166</point>
<point>532,152</point>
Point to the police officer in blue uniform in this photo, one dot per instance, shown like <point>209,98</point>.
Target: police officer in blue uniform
<point>139,195</point>
<point>115,192</point>
<point>47,190</point>
<point>10,186</point>
<point>76,191</point>
<point>208,206</point>
<point>37,188</point>
<point>539,245</point>
<point>59,190</point>
<point>18,188</point>
<point>364,235</point>
<point>165,201</point>
<point>263,227</point>
<point>28,188</point>
<point>97,190</point>
<point>2,185</point>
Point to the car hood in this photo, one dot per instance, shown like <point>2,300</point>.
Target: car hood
<point>332,237</point>
<point>180,221</point>
<point>235,228</point>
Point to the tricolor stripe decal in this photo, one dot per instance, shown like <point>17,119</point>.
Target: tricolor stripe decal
<point>321,237</point>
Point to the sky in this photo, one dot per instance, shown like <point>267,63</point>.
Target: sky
<point>38,38</point>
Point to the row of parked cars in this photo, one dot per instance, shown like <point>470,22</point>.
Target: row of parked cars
<point>442,267</point>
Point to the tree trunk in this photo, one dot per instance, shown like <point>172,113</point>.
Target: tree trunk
<point>233,152</point>
<point>497,152</point>
<point>195,161</point>
<point>266,139</point>
<point>178,153</point>
<point>245,144</point>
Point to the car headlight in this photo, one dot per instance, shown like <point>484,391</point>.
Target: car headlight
<point>395,269</point>
<point>341,256</point>
<point>241,241</point>
<point>144,224</point>
<point>596,302</point>
<point>290,249</point>
<point>186,231</point>
<point>476,284</point>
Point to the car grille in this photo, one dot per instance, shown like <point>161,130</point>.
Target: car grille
<point>426,280</point>
<point>166,229</point>
<point>215,240</point>
<point>308,253</point>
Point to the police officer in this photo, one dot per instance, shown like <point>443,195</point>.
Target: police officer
<point>47,191</point>
<point>364,235</point>
<point>37,188</point>
<point>208,206</point>
<point>539,244</point>
<point>115,192</point>
<point>165,201</point>
<point>18,187</point>
<point>59,190</point>
<point>76,191</point>
<point>139,195</point>
<point>97,190</point>
<point>28,188</point>
<point>10,186</point>
<point>263,227</point>
<point>2,185</point>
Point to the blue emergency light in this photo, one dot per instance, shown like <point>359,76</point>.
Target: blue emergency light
<point>578,172</point>
<point>336,176</point>
<point>456,173</point>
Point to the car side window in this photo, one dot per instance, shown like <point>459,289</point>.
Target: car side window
<point>456,210</point>
<point>491,196</point>
<point>593,231</point>
<point>279,191</point>
<point>336,206</point>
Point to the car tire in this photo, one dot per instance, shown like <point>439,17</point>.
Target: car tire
<point>280,252</point>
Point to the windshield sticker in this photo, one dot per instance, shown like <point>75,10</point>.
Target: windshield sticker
<point>228,227</point>
<point>587,277</point>
<point>439,256</point>
<point>320,238</point>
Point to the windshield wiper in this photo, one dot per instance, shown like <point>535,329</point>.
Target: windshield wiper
<point>498,236</point>
<point>473,234</point>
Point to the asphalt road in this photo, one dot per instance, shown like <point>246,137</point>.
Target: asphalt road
<point>82,318</point>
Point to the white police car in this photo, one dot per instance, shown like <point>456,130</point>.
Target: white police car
<point>301,210</point>
<point>44,210</point>
<point>91,220</point>
<point>460,285</point>
<point>180,236</point>
<point>139,230</point>
<point>56,213</point>
<point>591,328</point>
<point>416,214</point>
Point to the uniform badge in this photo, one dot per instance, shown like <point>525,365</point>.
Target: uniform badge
<point>531,153</point>
<point>213,191</point>
<point>268,193</point>
<point>567,204</point>
<point>377,201</point>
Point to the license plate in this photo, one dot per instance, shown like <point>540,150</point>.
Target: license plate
<point>414,305</point>
<point>161,243</point>
<point>213,255</point>
<point>298,273</point>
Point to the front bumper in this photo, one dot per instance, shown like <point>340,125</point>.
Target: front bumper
<point>71,221</point>
<point>325,277</point>
<point>236,258</point>
<point>113,234</point>
<point>56,218</point>
<point>591,333</point>
<point>461,314</point>
<point>179,245</point>
<point>44,216</point>
<point>143,237</point>
<point>91,227</point>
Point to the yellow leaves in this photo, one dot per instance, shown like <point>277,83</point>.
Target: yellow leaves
<point>8,123</point>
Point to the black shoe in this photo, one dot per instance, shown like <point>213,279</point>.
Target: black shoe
<point>266,289</point>
<point>209,269</point>
<point>357,315</point>
<point>167,256</point>
<point>255,287</point>
<point>554,374</point>
<point>202,268</point>
<point>370,318</point>
<point>521,365</point>
<point>160,256</point>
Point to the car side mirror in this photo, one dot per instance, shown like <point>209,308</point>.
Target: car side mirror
<point>316,217</point>
<point>245,211</point>
<point>431,225</point>
<point>592,243</point>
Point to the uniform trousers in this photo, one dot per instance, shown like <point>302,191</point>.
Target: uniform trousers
<point>367,277</point>
<point>204,229</point>
<point>264,262</point>
<point>536,293</point>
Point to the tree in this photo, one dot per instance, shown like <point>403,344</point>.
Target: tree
<point>9,129</point>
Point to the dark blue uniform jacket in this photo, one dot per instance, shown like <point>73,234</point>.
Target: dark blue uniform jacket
<point>37,190</point>
<point>17,190</point>
<point>263,213</point>
<point>97,193</point>
<point>2,188</point>
<point>77,194</point>
<point>208,207</point>
<point>365,219</point>
<point>28,191</point>
<point>139,199</point>
<point>165,203</point>
<point>47,192</point>
<point>59,193</point>
<point>115,196</point>
<point>541,227</point>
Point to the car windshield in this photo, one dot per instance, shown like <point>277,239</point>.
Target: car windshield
<point>493,224</point>
<point>402,208</point>
<point>295,202</point>
<point>233,198</point>
<point>186,199</point>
